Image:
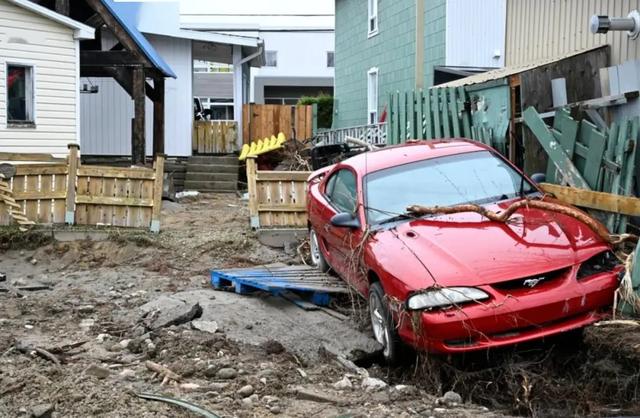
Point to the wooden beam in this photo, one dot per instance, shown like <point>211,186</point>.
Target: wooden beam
<point>138,142</point>
<point>109,59</point>
<point>158,117</point>
<point>95,21</point>
<point>62,7</point>
<point>607,202</point>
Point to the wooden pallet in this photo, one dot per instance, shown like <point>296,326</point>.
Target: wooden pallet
<point>280,280</point>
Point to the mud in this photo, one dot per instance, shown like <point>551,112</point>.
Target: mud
<point>90,319</point>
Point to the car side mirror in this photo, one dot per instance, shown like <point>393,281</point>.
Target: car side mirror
<point>538,178</point>
<point>345,220</point>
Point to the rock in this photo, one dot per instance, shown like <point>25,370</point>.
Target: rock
<point>3,277</point>
<point>227,373</point>
<point>97,371</point>
<point>85,309</point>
<point>245,391</point>
<point>190,386</point>
<point>342,384</point>
<point>206,326</point>
<point>254,398</point>
<point>102,337</point>
<point>124,343</point>
<point>272,347</point>
<point>275,409</point>
<point>315,396</point>
<point>127,374</point>
<point>263,380</point>
<point>450,398</point>
<point>167,311</point>
<point>33,261</point>
<point>268,399</point>
<point>246,403</point>
<point>44,410</point>
<point>87,323</point>
<point>151,347</point>
<point>218,386</point>
<point>371,384</point>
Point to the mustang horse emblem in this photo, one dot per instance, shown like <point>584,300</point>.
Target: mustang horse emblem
<point>532,282</point>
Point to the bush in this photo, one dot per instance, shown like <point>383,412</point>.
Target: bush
<point>325,108</point>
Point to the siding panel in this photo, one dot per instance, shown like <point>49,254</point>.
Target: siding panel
<point>547,28</point>
<point>27,38</point>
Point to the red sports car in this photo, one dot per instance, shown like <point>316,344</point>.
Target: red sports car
<point>458,282</point>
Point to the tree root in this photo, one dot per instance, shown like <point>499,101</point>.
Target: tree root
<point>504,216</point>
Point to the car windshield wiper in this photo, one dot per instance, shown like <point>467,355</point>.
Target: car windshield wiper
<point>396,218</point>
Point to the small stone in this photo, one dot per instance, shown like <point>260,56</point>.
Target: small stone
<point>3,277</point>
<point>86,309</point>
<point>439,411</point>
<point>33,261</point>
<point>263,380</point>
<point>124,343</point>
<point>227,373</point>
<point>102,337</point>
<point>87,323</point>
<point>315,396</point>
<point>42,411</point>
<point>28,326</point>
<point>205,326</point>
<point>151,347</point>
<point>245,391</point>
<point>97,371</point>
<point>268,399</point>
<point>22,253</point>
<point>273,347</point>
<point>342,384</point>
<point>275,409</point>
<point>127,374</point>
<point>247,403</point>
<point>451,398</point>
<point>372,384</point>
<point>218,386</point>
<point>248,326</point>
<point>114,347</point>
<point>254,398</point>
<point>190,386</point>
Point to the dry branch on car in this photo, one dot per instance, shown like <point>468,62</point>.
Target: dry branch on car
<point>595,226</point>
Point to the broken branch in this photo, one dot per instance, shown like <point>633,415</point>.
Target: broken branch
<point>163,371</point>
<point>27,349</point>
<point>594,225</point>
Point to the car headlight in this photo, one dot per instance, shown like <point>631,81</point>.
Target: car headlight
<point>599,263</point>
<point>445,297</point>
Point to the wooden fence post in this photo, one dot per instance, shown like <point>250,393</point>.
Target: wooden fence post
<point>72,175</point>
<point>253,192</point>
<point>158,166</point>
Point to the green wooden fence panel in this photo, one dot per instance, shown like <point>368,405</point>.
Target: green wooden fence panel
<point>435,110</point>
<point>412,134</point>
<point>420,116</point>
<point>453,110</point>
<point>428,116</point>
<point>392,120</point>
<point>445,113</point>
<point>466,125</point>
<point>595,141</point>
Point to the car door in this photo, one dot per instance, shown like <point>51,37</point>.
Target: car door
<point>341,242</point>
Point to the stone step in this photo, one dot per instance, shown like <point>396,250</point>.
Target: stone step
<point>212,168</point>
<point>214,159</point>
<point>211,185</point>
<point>193,176</point>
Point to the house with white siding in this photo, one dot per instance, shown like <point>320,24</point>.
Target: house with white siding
<point>39,78</point>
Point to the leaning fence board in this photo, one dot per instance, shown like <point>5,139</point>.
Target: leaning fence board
<point>607,202</point>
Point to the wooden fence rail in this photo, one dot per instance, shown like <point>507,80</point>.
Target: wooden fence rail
<point>277,198</point>
<point>67,192</point>
<point>262,121</point>
<point>214,136</point>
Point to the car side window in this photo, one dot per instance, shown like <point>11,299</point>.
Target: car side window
<point>341,191</point>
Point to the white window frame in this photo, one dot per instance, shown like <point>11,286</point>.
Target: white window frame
<point>372,96</point>
<point>265,58</point>
<point>372,20</point>
<point>333,53</point>
<point>30,92</point>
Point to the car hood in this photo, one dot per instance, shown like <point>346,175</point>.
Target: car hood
<point>467,249</point>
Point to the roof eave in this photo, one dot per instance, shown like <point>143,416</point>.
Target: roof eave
<point>81,31</point>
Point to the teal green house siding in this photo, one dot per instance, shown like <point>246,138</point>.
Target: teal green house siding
<point>392,51</point>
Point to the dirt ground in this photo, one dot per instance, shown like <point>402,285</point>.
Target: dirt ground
<point>88,315</point>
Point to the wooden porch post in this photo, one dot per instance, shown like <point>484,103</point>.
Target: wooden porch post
<point>158,116</point>
<point>138,151</point>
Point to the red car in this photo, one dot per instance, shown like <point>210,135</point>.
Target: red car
<point>455,283</point>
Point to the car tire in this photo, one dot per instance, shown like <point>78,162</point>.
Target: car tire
<point>384,330</point>
<point>317,257</point>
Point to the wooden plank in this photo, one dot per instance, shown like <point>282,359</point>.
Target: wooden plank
<point>282,208</point>
<point>31,206</point>
<point>428,119</point>
<point>453,109</point>
<point>262,176</point>
<point>597,143</point>
<point>466,124</point>
<point>35,157</point>
<point>546,139</point>
<point>81,212</point>
<point>435,109</point>
<point>41,194</point>
<point>45,213</point>
<point>113,201</point>
<point>74,161</point>
<point>108,192</point>
<point>157,194</point>
<point>420,120</point>
<point>120,212</point>
<point>116,172</point>
<point>607,202</point>
<point>446,117</point>
<point>60,205</point>
<point>22,170</point>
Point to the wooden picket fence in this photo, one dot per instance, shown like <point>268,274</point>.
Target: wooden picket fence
<point>262,121</point>
<point>56,191</point>
<point>214,136</point>
<point>277,198</point>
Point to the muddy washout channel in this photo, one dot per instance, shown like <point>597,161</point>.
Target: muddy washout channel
<point>88,326</point>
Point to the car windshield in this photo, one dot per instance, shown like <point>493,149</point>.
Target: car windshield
<point>476,177</point>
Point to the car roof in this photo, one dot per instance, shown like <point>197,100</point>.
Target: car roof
<point>392,156</point>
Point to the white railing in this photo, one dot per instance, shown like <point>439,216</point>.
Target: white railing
<point>373,134</point>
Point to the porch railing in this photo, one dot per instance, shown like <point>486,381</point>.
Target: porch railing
<point>374,134</point>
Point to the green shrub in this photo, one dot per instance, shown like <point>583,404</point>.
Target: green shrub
<point>325,108</point>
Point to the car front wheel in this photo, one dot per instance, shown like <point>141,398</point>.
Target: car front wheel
<point>317,258</point>
<point>384,330</point>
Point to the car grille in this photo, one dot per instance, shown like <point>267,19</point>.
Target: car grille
<point>530,282</point>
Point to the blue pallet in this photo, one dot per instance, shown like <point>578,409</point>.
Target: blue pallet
<point>279,280</point>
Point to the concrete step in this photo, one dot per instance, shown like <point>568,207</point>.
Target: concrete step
<point>212,168</point>
<point>210,185</point>
<point>192,176</point>
<point>214,159</point>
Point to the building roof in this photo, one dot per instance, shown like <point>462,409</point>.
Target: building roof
<point>81,31</point>
<point>511,70</point>
<point>126,15</point>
